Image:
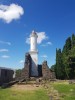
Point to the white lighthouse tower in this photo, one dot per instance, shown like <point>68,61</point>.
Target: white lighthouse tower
<point>34,53</point>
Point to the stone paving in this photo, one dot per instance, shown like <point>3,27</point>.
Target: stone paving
<point>52,93</point>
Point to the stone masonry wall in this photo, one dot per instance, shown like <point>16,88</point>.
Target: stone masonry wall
<point>27,66</point>
<point>46,72</point>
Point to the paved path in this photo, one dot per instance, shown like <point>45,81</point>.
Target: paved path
<point>52,93</point>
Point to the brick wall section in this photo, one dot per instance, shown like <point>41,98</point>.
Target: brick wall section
<point>26,71</point>
<point>46,72</point>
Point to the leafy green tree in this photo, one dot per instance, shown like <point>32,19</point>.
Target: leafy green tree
<point>65,60</point>
<point>53,67</point>
<point>18,73</point>
<point>66,67</point>
<point>73,40</point>
<point>71,61</point>
<point>67,46</point>
<point>59,69</point>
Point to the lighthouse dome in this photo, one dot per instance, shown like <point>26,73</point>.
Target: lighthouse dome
<point>33,33</point>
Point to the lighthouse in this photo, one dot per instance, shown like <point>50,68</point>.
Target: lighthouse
<point>34,54</point>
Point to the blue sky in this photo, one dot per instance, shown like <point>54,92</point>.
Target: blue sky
<point>53,20</point>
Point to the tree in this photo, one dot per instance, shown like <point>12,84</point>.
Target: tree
<point>66,66</point>
<point>65,55</point>
<point>59,69</point>
<point>53,67</point>
<point>18,73</point>
<point>73,40</point>
<point>65,60</point>
<point>67,46</point>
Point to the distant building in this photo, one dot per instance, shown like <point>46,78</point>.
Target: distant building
<point>6,75</point>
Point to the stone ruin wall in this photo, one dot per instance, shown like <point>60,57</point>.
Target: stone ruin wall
<point>45,72</point>
<point>27,66</point>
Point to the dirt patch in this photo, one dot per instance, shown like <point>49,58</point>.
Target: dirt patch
<point>25,87</point>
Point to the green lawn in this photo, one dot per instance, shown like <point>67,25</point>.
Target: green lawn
<point>9,94</point>
<point>66,91</point>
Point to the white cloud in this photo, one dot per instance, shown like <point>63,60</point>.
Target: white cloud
<point>41,36</point>
<point>28,40</point>
<point>11,12</point>
<point>4,50</point>
<point>49,43</point>
<point>44,56</point>
<point>5,56</point>
<point>46,44</point>
<point>3,42</point>
<point>21,61</point>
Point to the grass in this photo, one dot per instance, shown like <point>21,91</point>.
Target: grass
<point>67,91</point>
<point>9,94</point>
